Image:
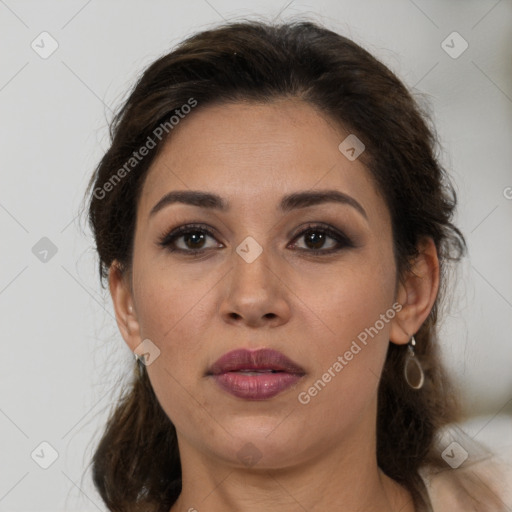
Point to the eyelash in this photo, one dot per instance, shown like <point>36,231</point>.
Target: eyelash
<point>169,238</point>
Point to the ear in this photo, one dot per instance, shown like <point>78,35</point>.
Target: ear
<point>416,294</point>
<point>124,307</point>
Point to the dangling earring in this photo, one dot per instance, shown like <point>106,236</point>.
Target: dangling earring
<point>413,371</point>
<point>139,363</point>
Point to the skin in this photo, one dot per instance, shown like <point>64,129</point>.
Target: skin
<point>307,305</point>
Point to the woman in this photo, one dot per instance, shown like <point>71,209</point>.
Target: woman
<point>275,230</point>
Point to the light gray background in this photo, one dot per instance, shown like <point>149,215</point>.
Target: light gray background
<point>63,359</point>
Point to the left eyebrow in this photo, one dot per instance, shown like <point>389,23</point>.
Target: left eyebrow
<point>312,198</point>
<point>289,202</point>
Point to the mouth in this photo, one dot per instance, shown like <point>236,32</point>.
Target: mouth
<point>255,361</point>
<point>255,375</point>
<point>256,371</point>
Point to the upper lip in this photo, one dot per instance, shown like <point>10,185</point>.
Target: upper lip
<point>261,359</point>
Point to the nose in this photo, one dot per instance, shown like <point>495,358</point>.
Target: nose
<point>255,293</point>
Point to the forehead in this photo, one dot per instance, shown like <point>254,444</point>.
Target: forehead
<point>253,154</point>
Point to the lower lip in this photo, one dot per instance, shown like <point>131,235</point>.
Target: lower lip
<point>256,387</point>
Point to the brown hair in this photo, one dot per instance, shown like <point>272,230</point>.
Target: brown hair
<point>137,465</point>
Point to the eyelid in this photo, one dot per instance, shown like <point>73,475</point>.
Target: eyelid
<point>342,240</point>
<point>174,233</point>
<point>321,226</point>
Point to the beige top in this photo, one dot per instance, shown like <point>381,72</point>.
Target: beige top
<point>475,479</point>
<point>484,487</point>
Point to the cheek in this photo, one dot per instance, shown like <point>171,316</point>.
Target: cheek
<point>358,311</point>
<point>171,315</point>
<point>350,297</point>
<point>169,305</point>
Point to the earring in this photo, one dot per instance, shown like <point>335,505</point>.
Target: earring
<point>413,371</point>
<point>139,363</point>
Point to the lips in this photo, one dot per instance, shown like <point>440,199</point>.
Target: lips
<point>261,361</point>
<point>255,375</point>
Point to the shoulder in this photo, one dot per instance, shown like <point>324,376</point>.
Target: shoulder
<point>483,485</point>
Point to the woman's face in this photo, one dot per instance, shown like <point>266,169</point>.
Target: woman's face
<point>260,283</point>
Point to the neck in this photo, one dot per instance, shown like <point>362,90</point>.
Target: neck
<point>273,491</point>
<point>341,477</point>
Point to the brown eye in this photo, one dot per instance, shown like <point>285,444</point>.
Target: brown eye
<point>315,238</point>
<point>192,239</point>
